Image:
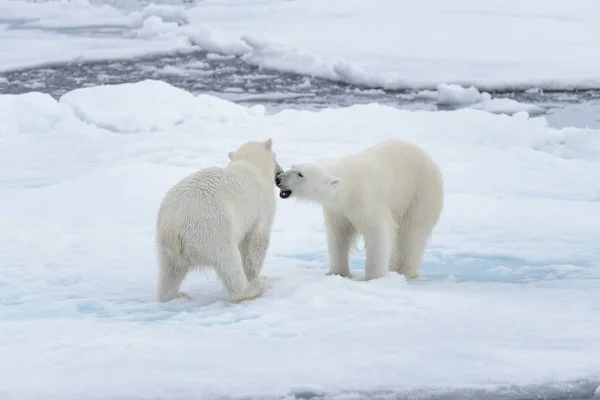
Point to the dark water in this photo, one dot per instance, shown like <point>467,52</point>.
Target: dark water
<point>233,79</point>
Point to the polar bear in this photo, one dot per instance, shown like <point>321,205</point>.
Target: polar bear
<point>220,218</point>
<point>392,193</point>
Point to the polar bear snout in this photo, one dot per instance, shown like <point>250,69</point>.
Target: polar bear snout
<point>284,190</point>
<point>279,180</point>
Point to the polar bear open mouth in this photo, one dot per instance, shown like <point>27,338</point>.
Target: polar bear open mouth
<point>285,193</point>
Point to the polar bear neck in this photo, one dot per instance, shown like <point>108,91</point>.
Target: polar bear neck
<point>265,171</point>
<point>324,196</point>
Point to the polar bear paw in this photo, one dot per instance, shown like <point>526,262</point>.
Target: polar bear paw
<point>166,297</point>
<point>184,295</point>
<point>342,274</point>
<point>255,288</point>
<point>261,280</point>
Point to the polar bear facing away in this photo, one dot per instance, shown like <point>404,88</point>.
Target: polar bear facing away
<point>220,218</point>
<point>392,193</point>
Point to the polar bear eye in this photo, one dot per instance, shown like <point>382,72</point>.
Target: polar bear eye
<point>300,175</point>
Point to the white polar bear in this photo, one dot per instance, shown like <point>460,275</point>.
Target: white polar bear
<point>220,217</point>
<point>391,193</point>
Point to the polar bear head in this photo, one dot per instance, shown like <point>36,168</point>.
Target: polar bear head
<point>309,181</point>
<point>260,155</point>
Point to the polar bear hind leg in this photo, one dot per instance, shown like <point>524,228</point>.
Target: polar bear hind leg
<point>414,232</point>
<point>254,250</point>
<point>230,271</point>
<point>409,250</point>
<point>171,272</point>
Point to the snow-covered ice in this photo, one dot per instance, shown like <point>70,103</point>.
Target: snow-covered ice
<point>456,96</point>
<point>508,298</point>
<point>168,106</point>
<point>385,43</point>
<point>419,44</point>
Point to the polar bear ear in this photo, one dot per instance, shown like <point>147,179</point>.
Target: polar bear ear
<point>230,155</point>
<point>334,181</point>
<point>268,143</point>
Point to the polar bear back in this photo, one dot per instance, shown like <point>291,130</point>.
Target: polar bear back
<point>215,202</point>
<point>392,174</point>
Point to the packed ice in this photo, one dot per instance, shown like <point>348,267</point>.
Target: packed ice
<point>508,296</point>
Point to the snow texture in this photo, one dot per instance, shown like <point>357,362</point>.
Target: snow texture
<point>508,298</point>
<point>390,44</point>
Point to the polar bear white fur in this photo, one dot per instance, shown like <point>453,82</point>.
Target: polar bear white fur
<point>392,193</point>
<point>220,218</point>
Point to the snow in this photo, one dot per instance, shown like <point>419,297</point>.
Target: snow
<point>508,300</point>
<point>391,44</point>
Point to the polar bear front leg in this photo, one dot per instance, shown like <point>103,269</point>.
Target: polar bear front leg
<point>378,243</point>
<point>254,251</point>
<point>340,235</point>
